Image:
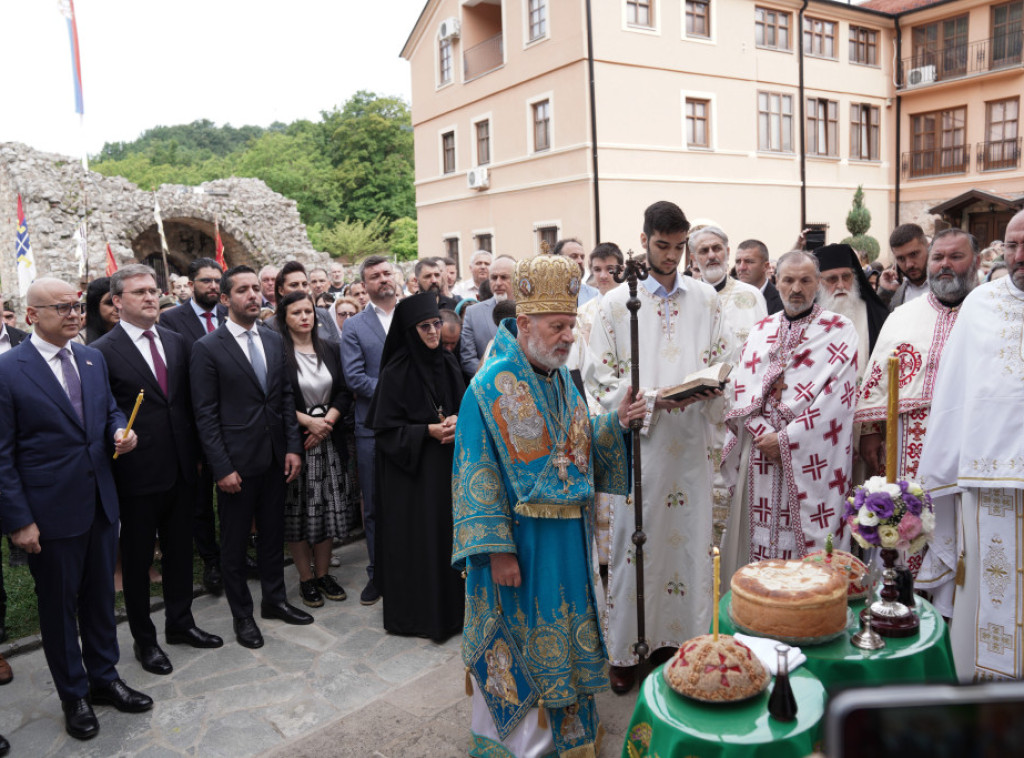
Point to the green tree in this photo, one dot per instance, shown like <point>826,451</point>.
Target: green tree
<point>350,240</point>
<point>404,241</point>
<point>858,221</point>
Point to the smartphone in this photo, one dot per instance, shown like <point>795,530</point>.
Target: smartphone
<point>814,239</point>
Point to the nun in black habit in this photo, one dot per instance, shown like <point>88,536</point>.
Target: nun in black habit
<point>413,415</point>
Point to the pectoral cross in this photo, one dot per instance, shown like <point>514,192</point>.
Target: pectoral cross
<point>561,462</point>
<point>777,388</point>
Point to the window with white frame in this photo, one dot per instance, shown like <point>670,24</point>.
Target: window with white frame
<point>448,152</point>
<point>538,19</point>
<point>640,13</point>
<point>698,120</point>
<point>771,28</point>
<point>864,130</point>
<point>541,125</point>
<point>483,142</point>
<point>444,61</point>
<point>774,122</point>
<point>822,126</point>
<point>698,18</point>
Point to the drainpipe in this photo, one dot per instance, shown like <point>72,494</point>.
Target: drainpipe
<point>803,136</point>
<point>593,125</point>
<point>898,66</point>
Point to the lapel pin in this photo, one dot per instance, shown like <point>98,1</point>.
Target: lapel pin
<point>88,363</point>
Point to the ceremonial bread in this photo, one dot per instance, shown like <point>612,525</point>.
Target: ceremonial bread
<point>850,565</point>
<point>789,599</point>
<point>719,671</point>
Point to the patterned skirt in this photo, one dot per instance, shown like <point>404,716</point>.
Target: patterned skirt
<point>315,505</point>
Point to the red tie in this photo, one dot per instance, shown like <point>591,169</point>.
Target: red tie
<point>209,321</point>
<point>159,367</point>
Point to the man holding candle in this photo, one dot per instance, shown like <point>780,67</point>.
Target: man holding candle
<point>156,486</point>
<point>973,457</point>
<point>916,334</point>
<point>59,427</point>
<point>789,449</point>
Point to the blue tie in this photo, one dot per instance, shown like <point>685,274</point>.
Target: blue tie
<point>73,382</point>
<point>259,366</point>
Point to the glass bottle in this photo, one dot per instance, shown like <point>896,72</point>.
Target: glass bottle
<point>782,703</point>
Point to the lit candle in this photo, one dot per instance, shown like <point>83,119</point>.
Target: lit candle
<point>135,410</point>
<point>891,428</point>
<point>714,614</point>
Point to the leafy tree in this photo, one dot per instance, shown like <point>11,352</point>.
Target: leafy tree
<point>858,221</point>
<point>350,240</point>
<point>404,239</point>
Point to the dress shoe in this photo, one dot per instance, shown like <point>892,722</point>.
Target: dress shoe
<point>79,720</point>
<point>285,612</point>
<point>310,594</point>
<point>622,678</point>
<point>369,595</point>
<point>6,675</point>
<point>121,696</point>
<point>247,633</point>
<point>195,637</point>
<point>153,659</point>
<point>330,588</point>
<point>5,746</point>
<point>212,579</point>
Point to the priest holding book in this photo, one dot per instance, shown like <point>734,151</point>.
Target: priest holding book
<point>789,450</point>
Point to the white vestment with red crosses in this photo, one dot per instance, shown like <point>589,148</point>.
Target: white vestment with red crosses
<point>916,333</point>
<point>797,379</point>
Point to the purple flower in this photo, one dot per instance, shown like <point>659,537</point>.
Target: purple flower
<point>880,503</point>
<point>912,503</point>
<point>849,510</point>
<point>858,498</point>
<point>870,534</point>
<point>904,487</point>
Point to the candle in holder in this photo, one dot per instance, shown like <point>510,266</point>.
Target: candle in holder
<point>891,423</point>
<point>714,584</point>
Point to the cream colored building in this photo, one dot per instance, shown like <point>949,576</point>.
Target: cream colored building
<point>695,101</point>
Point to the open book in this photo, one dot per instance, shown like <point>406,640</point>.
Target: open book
<point>709,378</point>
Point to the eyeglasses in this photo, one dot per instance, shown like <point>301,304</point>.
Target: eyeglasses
<point>430,326</point>
<point>151,291</point>
<point>64,309</point>
<point>345,314</point>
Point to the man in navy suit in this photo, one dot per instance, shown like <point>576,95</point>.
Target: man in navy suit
<point>362,342</point>
<point>752,269</point>
<point>245,414</point>
<point>155,485</point>
<point>478,327</point>
<point>194,319</point>
<point>59,427</point>
<point>9,338</point>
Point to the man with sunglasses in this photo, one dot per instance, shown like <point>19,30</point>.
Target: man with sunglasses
<point>59,428</point>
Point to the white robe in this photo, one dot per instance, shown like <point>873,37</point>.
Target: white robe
<point>678,335</point>
<point>974,449</point>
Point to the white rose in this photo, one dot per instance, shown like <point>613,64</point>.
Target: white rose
<point>927,521</point>
<point>893,490</point>
<point>875,484</point>
<point>867,517</point>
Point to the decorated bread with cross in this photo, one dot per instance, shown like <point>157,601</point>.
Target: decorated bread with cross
<point>716,670</point>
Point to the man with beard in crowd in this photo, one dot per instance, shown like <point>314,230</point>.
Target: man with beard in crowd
<point>845,290</point>
<point>910,249</point>
<point>917,333</point>
<point>429,274</point>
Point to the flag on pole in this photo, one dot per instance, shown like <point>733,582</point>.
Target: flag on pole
<point>67,9</point>
<point>159,224</point>
<point>81,248</point>
<point>24,261</point>
<point>219,245</point>
<point>111,262</point>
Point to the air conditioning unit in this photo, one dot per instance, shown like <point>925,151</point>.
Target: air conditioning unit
<point>477,178</point>
<point>921,75</point>
<point>449,28</point>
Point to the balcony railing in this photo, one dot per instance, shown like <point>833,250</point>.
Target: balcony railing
<point>940,161</point>
<point>998,155</point>
<point>956,61</point>
<point>484,57</point>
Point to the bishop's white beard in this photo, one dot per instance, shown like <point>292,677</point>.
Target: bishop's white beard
<point>713,275</point>
<point>850,305</point>
<point>549,359</point>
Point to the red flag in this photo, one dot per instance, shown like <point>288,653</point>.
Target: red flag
<point>219,246</point>
<point>111,262</point>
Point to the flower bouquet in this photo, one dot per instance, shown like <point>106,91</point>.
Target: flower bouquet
<point>896,515</point>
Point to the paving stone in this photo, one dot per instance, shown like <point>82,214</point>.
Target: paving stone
<point>313,636</point>
<point>227,679</point>
<point>432,693</point>
<point>236,735</point>
<point>299,718</point>
<point>402,669</point>
<point>179,722</point>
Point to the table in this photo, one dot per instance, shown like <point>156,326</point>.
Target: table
<point>925,657</point>
<point>668,725</point>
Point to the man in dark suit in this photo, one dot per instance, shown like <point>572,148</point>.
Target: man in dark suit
<point>362,343</point>
<point>478,327</point>
<point>752,269</point>
<point>192,320</point>
<point>249,432</point>
<point>156,485</point>
<point>9,339</point>
<point>59,427</point>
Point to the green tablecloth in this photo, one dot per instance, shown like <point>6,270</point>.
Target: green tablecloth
<point>925,657</point>
<point>668,725</point>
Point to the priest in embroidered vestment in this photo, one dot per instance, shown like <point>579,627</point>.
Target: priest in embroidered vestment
<point>528,459</point>
<point>789,450</point>
<point>681,330</point>
<point>974,454</point>
<point>917,332</point>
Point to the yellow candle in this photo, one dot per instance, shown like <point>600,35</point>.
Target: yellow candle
<point>891,428</point>
<point>717,561</point>
<point>135,411</point>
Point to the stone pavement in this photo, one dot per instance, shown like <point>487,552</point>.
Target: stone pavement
<point>340,687</point>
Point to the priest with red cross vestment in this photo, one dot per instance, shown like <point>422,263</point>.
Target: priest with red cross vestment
<point>788,453</point>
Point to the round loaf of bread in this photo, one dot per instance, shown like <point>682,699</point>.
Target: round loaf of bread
<point>789,599</point>
<point>716,671</point>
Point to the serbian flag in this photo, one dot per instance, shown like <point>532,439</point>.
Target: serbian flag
<point>111,262</point>
<point>67,9</point>
<point>24,260</point>
<point>219,246</point>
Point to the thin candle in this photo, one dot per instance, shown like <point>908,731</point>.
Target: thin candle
<point>714,613</point>
<point>891,423</point>
<point>135,410</point>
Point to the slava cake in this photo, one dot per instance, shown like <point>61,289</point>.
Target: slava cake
<point>789,599</point>
<point>855,570</point>
<point>716,671</point>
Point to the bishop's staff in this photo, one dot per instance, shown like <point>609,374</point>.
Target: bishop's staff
<point>632,271</point>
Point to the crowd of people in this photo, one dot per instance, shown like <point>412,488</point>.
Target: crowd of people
<point>476,432</point>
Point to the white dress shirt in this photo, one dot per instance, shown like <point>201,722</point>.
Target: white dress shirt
<point>199,314</point>
<point>49,353</point>
<point>5,339</point>
<point>384,316</point>
<point>142,343</point>
<point>240,333</point>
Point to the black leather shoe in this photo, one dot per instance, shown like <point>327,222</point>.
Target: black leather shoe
<point>195,637</point>
<point>5,746</point>
<point>369,595</point>
<point>212,579</point>
<point>247,633</point>
<point>79,720</point>
<point>153,659</point>
<point>285,612</point>
<point>121,696</point>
